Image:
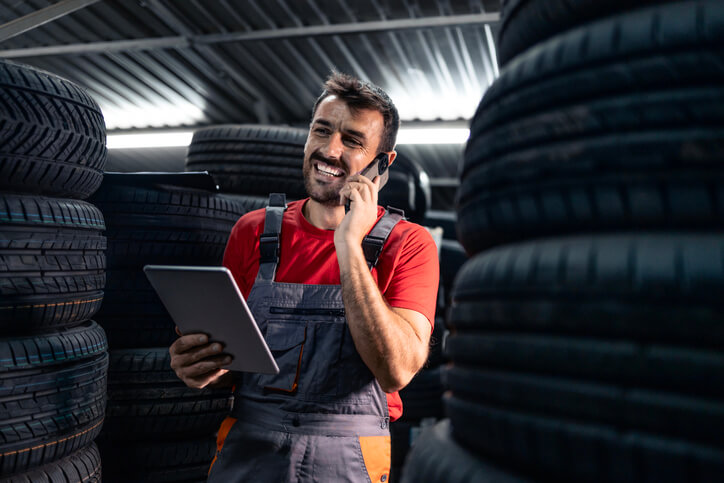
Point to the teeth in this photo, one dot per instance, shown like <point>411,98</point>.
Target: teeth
<point>329,170</point>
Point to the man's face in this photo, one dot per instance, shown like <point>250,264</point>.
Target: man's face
<point>341,143</point>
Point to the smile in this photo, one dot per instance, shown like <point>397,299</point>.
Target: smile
<point>328,170</point>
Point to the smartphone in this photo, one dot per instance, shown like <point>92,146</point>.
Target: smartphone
<point>378,167</point>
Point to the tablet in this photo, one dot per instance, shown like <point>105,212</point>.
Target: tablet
<point>207,300</point>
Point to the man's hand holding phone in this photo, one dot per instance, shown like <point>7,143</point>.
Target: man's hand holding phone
<point>359,196</point>
<point>362,215</point>
<point>377,168</point>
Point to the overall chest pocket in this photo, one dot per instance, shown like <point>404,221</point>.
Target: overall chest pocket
<point>332,370</point>
<point>317,358</point>
<point>286,340</point>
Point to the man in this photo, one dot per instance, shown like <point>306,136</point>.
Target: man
<point>346,336</point>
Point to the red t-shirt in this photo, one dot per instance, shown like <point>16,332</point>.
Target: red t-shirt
<point>407,272</point>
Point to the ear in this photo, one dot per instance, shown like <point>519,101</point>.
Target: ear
<point>391,157</point>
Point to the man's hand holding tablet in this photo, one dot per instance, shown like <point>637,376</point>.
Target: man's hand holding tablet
<point>199,363</point>
<point>217,331</point>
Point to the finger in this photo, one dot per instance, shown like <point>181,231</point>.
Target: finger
<point>204,366</point>
<point>345,194</point>
<point>366,189</point>
<point>178,331</point>
<point>363,184</point>
<point>353,194</point>
<point>206,379</point>
<point>188,342</point>
<point>362,187</point>
<point>194,355</point>
<point>362,180</point>
<point>217,375</point>
<point>376,190</point>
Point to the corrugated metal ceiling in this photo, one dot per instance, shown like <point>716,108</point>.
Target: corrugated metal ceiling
<point>206,77</point>
<point>191,63</point>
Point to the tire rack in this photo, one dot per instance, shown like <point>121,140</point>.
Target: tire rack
<point>53,357</point>
<point>586,337</point>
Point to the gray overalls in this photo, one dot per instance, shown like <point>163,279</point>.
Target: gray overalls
<point>324,417</point>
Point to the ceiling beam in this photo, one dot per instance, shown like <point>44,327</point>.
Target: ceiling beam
<point>270,34</point>
<point>41,17</point>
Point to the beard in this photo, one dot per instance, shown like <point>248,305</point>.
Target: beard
<point>327,195</point>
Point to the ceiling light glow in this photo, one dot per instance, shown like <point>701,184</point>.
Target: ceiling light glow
<point>152,116</point>
<point>149,140</point>
<point>433,136</point>
<point>183,138</point>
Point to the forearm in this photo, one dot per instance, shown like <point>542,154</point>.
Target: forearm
<point>391,346</point>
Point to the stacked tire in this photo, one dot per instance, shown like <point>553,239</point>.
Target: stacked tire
<point>422,398</point>
<point>157,429</point>
<point>251,160</point>
<point>587,329</point>
<point>408,189</point>
<point>53,357</point>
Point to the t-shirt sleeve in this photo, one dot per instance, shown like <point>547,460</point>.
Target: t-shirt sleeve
<point>416,275</point>
<point>241,255</point>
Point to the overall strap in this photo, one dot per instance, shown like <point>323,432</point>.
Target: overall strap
<point>372,244</point>
<point>269,241</point>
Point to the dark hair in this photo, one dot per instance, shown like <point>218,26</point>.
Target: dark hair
<point>360,94</point>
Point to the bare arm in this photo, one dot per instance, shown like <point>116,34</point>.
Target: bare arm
<point>392,342</point>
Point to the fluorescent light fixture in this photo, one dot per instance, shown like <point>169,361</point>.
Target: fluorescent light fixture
<point>169,139</point>
<point>149,140</point>
<point>150,116</point>
<point>433,136</point>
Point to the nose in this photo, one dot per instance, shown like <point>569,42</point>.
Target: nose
<point>334,147</point>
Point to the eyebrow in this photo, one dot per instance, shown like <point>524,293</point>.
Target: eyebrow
<point>324,122</point>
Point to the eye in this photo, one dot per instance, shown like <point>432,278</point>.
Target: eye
<point>353,142</point>
<point>321,130</point>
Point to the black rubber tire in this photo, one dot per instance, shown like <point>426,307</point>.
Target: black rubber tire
<point>157,461</point>
<point>147,399</point>
<point>604,351</point>
<point>248,202</point>
<point>608,128</point>
<point>251,159</point>
<point>52,134</point>
<point>452,258</point>
<point>648,288</point>
<point>569,450</point>
<point>627,408</point>
<point>165,224</point>
<point>51,262</point>
<point>436,457</point>
<point>155,224</point>
<point>83,466</point>
<point>404,434</point>
<point>436,356</point>
<point>422,397</point>
<point>400,432</point>
<point>407,189</point>
<point>44,416</point>
<point>630,364</point>
<point>524,23</point>
<point>132,313</point>
<point>444,219</point>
